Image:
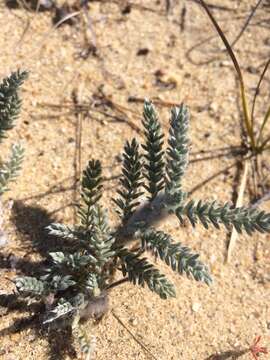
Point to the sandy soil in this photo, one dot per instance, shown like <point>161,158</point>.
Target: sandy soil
<point>183,61</point>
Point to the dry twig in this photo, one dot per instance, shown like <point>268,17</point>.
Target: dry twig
<point>239,203</point>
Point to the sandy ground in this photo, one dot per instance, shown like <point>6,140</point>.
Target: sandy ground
<point>143,53</point>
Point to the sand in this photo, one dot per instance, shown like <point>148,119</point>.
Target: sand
<point>143,53</point>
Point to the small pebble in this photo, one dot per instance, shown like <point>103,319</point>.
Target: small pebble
<point>143,52</point>
<point>213,107</point>
<point>196,307</point>
<point>213,258</point>
<point>133,322</point>
<point>225,63</point>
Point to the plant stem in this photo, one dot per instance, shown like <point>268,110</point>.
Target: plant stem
<point>116,283</point>
<point>247,121</point>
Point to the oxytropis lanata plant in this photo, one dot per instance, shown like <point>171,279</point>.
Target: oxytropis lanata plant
<point>10,105</point>
<point>78,280</point>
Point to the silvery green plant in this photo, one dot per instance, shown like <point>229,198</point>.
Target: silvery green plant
<point>76,284</point>
<point>10,105</point>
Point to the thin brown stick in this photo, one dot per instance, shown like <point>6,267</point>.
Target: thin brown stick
<point>212,177</point>
<point>155,101</point>
<point>265,142</point>
<point>78,145</point>
<point>26,27</point>
<point>260,201</point>
<point>249,18</point>
<point>215,6</point>
<point>258,90</point>
<point>134,337</point>
<point>168,6</point>
<point>183,18</point>
<point>60,22</point>
<point>24,4</point>
<point>87,108</point>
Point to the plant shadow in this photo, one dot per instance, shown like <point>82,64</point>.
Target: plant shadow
<point>227,355</point>
<point>31,223</point>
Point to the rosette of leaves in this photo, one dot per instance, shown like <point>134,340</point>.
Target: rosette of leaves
<point>78,279</point>
<point>10,105</point>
